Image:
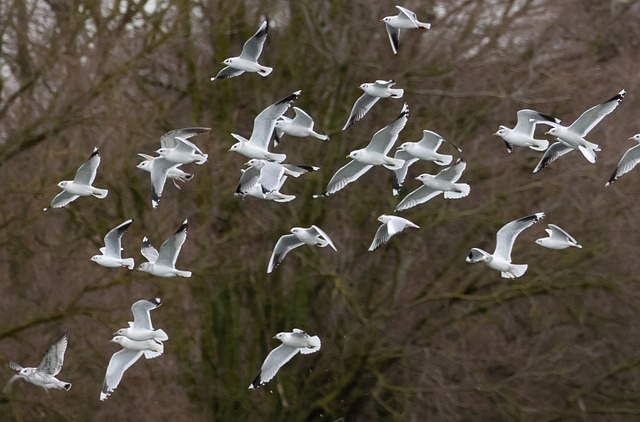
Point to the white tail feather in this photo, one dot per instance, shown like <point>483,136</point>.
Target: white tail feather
<point>463,190</point>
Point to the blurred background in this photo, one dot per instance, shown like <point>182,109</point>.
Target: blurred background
<point>410,332</point>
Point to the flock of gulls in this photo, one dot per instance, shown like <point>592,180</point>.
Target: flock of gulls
<point>265,175</point>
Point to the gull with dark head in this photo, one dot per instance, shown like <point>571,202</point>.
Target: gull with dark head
<point>391,225</point>
<point>163,263</point>
<point>522,133</point>
<point>292,343</point>
<point>572,137</point>
<point>500,259</point>
<point>111,253</point>
<point>405,19</point>
<point>45,374</point>
<point>372,93</point>
<point>81,184</point>
<point>257,146</point>
<point>313,236</point>
<point>247,61</point>
<point>374,154</point>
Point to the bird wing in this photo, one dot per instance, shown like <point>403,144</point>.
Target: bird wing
<point>382,236</point>
<point>171,247</point>
<point>228,72</point>
<point>140,311</point>
<point>527,120</point>
<point>113,239</point>
<point>454,172</point>
<point>345,175</point>
<point>270,176</point>
<point>384,139</point>
<point>555,151</point>
<point>187,146</point>
<point>119,362</point>
<point>274,361</point>
<point>430,140</point>
<point>148,251</point>
<point>558,233</point>
<point>86,174</point>
<point>249,178</point>
<point>319,232</point>
<point>506,236</point>
<point>253,46</point>
<point>168,140</point>
<point>406,13</point>
<point>302,118</point>
<point>360,108</point>
<point>417,197</point>
<point>63,199</point>
<point>595,114</point>
<point>54,356</point>
<point>265,122</point>
<point>160,167</point>
<point>628,161</point>
<point>400,174</point>
<point>283,246</point>
<point>394,37</point>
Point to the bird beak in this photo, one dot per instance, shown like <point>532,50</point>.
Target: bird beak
<point>115,334</point>
<point>546,133</point>
<point>348,156</point>
<point>631,139</point>
<point>495,134</point>
<point>274,337</point>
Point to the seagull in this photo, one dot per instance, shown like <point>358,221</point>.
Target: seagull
<point>161,169</point>
<point>558,239</point>
<point>45,374</point>
<point>572,137</point>
<point>299,236</point>
<point>257,191</point>
<point>301,126</point>
<point>141,328</point>
<point>390,225</point>
<point>373,154</point>
<point>443,182</point>
<point>183,153</point>
<point>111,252</point>
<point>522,134</point>
<point>163,263</point>
<point>268,174</point>
<point>122,360</point>
<point>628,160</point>
<point>372,93</point>
<point>81,184</point>
<point>405,19</point>
<point>292,343</point>
<point>500,260</point>
<point>257,146</point>
<point>248,59</point>
<point>425,149</point>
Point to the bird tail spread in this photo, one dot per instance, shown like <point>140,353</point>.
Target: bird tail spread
<point>278,157</point>
<point>160,335</point>
<point>185,274</point>
<point>462,190</point>
<point>396,92</point>
<point>203,159</point>
<point>540,145</point>
<point>314,346</point>
<point>265,71</point>
<point>159,349</point>
<point>515,271</point>
<point>129,263</point>
<point>100,193</point>
<point>395,163</point>
<point>589,153</point>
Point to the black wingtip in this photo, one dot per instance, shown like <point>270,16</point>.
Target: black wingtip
<point>290,98</point>
<point>618,97</point>
<point>549,118</point>
<point>156,301</point>
<point>96,151</point>
<point>256,382</point>
<point>183,227</point>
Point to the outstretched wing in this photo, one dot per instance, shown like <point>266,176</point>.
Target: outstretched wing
<point>265,122</point>
<point>628,161</point>
<point>228,72</point>
<point>555,151</point>
<point>253,46</point>
<point>417,197</point>
<point>283,246</point>
<point>171,247</point>
<point>384,139</point>
<point>148,251</point>
<point>54,357</point>
<point>86,174</point>
<point>360,108</point>
<point>590,118</point>
<point>322,234</point>
<point>140,310</point>
<point>274,361</point>
<point>113,239</point>
<point>506,236</point>
<point>394,37</point>
<point>119,362</point>
<point>345,175</point>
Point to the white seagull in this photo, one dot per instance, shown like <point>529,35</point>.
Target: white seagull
<point>184,152</point>
<point>522,133</point>
<point>628,161</point>
<point>248,59</point>
<point>161,169</point>
<point>391,225</point>
<point>434,185</point>
<point>111,252</point>
<point>500,259</point>
<point>372,93</point>
<point>141,328</point>
<point>572,137</point>
<point>558,239</point>
<point>405,19</point>
<point>299,236</point>
<point>81,184</point>
<point>292,343</point>
<point>257,146</point>
<point>122,360</point>
<point>374,154</point>
<point>45,374</point>
<point>268,174</point>
<point>257,191</point>
<point>163,263</point>
<point>425,149</point>
<point>300,126</point>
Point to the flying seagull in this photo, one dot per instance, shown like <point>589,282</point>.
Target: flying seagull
<point>375,153</point>
<point>300,126</point>
<point>405,19</point>
<point>628,161</point>
<point>248,59</point>
<point>522,133</point>
<point>45,374</point>
<point>500,259</point>
<point>292,343</point>
<point>163,263</point>
<point>391,225</point>
<point>141,328</point>
<point>81,184</point>
<point>372,93</point>
<point>313,236</point>
<point>558,239</point>
<point>111,252</point>
<point>572,137</point>
<point>257,146</point>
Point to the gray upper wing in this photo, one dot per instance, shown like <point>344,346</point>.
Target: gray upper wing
<point>590,118</point>
<point>140,310</point>
<point>506,236</point>
<point>274,361</point>
<point>253,46</point>
<point>555,151</point>
<point>265,122</point>
<point>345,175</point>
<point>113,239</point>
<point>360,108</point>
<point>119,362</point>
<point>171,247</point>
<point>283,246</point>
<point>384,139</point>
<point>86,174</point>
<point>54,357</point>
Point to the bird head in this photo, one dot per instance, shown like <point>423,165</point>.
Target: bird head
<point>120,332</point>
